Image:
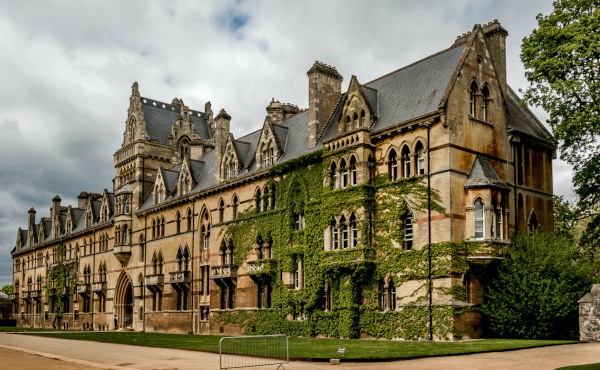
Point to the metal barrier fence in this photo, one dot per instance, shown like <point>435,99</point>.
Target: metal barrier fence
<point>253,350</point>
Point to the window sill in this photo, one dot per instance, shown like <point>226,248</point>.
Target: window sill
<point>481,121</point>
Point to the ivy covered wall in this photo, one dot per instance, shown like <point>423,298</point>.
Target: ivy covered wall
<point>353,275</point>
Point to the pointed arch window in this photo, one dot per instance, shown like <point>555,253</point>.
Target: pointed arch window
<point>334,175</point>
<point>126,206</point>
<point>154,233</point>
<point>353,232</point>
<point>125,235</point>
<point>178,222</point>
<point>363,119</point>
<point>344,170</point>
<point>405,162</point>
<point>258,199</point>
<point>485,99</point>
<point>272,155</point>
<point>392,166</point>
<point>265,204</point>
<point>335,237</point>
<point>235,207</point>
<point>206,236</point>
<point>533,224</point>
<point>162,227</point>
<point>353,171</point>
<point>221,211</point>
<point>348,124</point>
<point>189,220</point>
<point>344,232</point>
<point>473,99</point>
<point>420,159</point>
<point>479,220</point>
<point>382,296</point>
<point>265,158</point>
<point>355,120</point>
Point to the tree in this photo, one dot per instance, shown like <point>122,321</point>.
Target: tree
<point>562,62</point>
<point>7,289</point>
<point>539,283</point>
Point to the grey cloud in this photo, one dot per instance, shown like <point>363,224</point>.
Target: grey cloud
<point>68,66</point>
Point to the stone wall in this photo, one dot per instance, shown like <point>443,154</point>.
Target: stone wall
<point>589,316</point>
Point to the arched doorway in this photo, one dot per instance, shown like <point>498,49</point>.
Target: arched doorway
<point>124,302</point>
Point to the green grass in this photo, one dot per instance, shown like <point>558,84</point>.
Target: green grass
<point>581,367</point>
<point>304,348</point>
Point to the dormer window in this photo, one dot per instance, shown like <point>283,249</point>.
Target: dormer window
<point>485,99</point>
<point>265,159</point>
<point>473,99</point>
<point>348,124</point>
<point>272,155</point>
<point>363,119</point>
<point>355,120</point>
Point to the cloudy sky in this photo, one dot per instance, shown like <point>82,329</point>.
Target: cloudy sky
<point>67,67</point>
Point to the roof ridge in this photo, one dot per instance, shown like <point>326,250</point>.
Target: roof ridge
<point>417,62</point>
<point>242,142</point>
<point>194,160</point>
<point>166,104</point>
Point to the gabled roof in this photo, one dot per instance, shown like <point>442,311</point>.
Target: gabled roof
<point>331,130</point>
<point>414,90</point>
<point>521,119</point>
<point>171,177</point>
<point>483,175</point>
<point>159,120</point>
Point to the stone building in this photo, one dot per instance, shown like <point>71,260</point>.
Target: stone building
<point>163,250</point>
<point>589,316</point>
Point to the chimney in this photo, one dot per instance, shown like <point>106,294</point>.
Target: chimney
<point>209,118</point>
<point>324,91</point>
<point>495,38</point>
<point>275,111</point>
<point>82,199</point>
<point>222,123</point>
<point>31,227</point>
<point>55,214</point>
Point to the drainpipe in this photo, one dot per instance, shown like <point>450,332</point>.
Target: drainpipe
<point>192,265</point>
<point>94,274</point>
<point>430,282</point>
<point>515,182</point>
<point>144,279</point>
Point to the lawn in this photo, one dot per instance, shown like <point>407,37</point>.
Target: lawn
<point>581,367</point>
<point>313,348</point>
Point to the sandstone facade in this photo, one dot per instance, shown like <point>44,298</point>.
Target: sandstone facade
<point>153,252</point>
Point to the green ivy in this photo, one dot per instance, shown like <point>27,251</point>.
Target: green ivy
<point>59,285</point>
<point>297,186</point>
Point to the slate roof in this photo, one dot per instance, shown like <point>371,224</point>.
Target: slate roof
<point>171,177</point>
<point>482,175</point>
<point>331,130</point>
<point>124,189</point>
<point>159,120</point>
<point>371,95</point>
<point>521,119</point>
<point>414,90</point>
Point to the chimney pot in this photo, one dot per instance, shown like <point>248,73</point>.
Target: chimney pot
<point>468,32</point>
<point>495,21</point>
<point>464,34</point>
<point>458,37</point>
<point>489,23</point>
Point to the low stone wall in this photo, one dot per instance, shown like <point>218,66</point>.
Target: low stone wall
<point>589,316</point>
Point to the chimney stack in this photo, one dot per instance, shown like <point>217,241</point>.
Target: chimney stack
<point>55,214</point>
<point>222,124</point>
<point>324,92</point>
<point>31,227</point>
<point>495,38</point>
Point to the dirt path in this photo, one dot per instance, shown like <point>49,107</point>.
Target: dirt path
<point>139,357</point>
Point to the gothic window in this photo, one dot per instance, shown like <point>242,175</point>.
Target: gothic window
<point>392,166</point>
<point>355,120</point>
<point>235,207</point>
<point>363,119</point>
<point>479,220</point>
<point>258,198</point>
<point>266,201</point>
<point>154,233</point>
<point>162,227</point>
<point>485,100</point>
<point>405,162</point>
<point>206,236</point>
<point>353,171</point>
<point>500,223</point>
<point>334,175</point>
<point>344,170</point>
<point>408,232</point>
<point>184,149</point>
<point>532,224</point>
<point>126,206</point>
<point>125,235</point>
<point>177,222</point>
<point>382,296</point>
<point>473,99</point>
<point>189,220</point>
<point>392,290</point>
<point>232,297</point>
<point>265,158</point>
<point>221,210</point>
<point>348,124</point>
<point>467,285</point>
<point>344,232</point>
<point>272,156</point>
<point>335,235</point>
<point>223,254</point>
<point>353,232</point>
<point>420,159</point>
<point>231,250</point>
<point>223,297</point>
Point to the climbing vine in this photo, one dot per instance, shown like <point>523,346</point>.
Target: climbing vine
<point>297,187</point>
<point>60,285</point>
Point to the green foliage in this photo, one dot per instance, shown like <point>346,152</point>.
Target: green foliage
<point>539,283</point>
<point>562,59</point>
<point>298,188</point>
<point>7,289</point>
<point>582,226</point>
<point>59,285</point>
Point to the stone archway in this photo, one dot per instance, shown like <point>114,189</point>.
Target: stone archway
<point>124,302</point>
